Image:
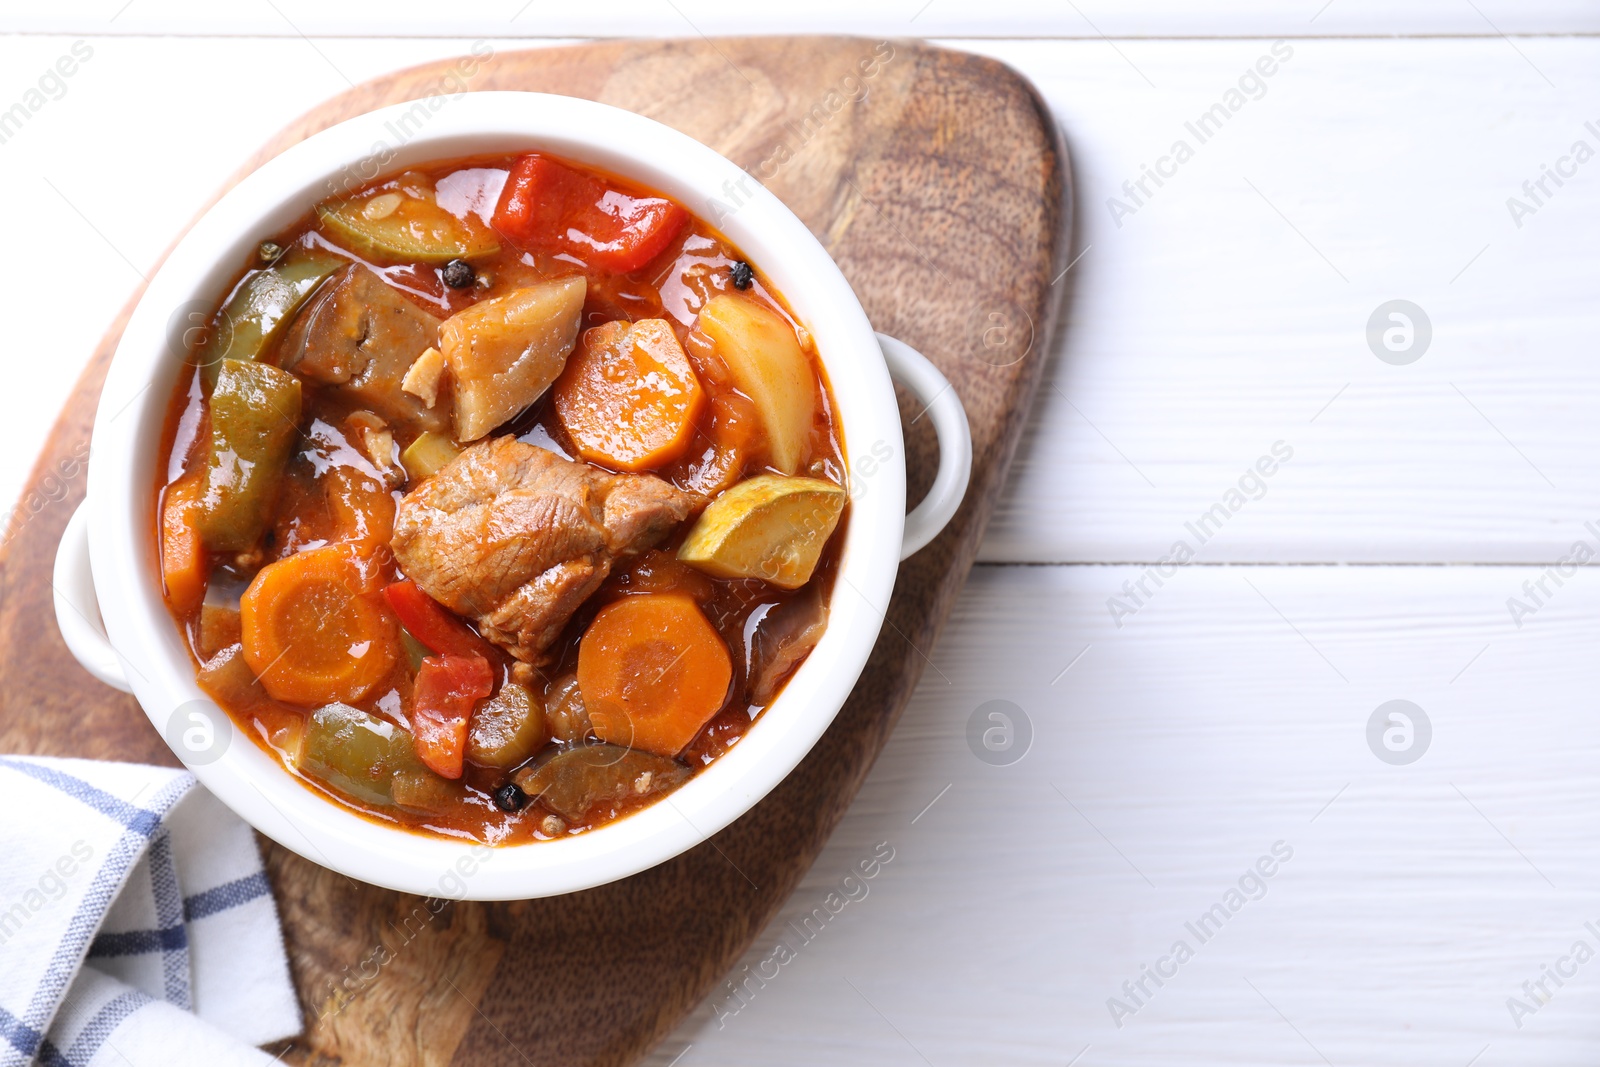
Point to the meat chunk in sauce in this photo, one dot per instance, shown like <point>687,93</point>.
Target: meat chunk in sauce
<point>361,334</point>
<point>516,538</point>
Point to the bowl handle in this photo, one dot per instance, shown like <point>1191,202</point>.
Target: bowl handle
<point>943,407</point>
<point>77,608</point>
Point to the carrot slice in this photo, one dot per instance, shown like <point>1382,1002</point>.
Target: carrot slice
<point>184,563</point>
<point>314,628</point>
<point>653,672</point>
<point>628,397</point>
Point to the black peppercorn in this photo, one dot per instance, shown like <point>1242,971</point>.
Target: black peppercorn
<point>458,274</point>
<point>742,275</point>
<point>509,797</point>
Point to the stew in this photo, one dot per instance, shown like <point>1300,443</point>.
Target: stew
<point>500,497</point>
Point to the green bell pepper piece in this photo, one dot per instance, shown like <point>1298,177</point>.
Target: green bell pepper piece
<point>358,754</point>
<point>262,305</point>
<point>255,415</point>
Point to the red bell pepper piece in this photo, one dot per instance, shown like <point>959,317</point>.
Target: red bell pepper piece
<point>431,624</point>
<point>548,205</point>
<point>447,689</point>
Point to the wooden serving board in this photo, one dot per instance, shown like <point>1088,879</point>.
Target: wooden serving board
<point>938,182</point>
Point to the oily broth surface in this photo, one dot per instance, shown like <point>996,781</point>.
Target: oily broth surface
<point>673,286</point>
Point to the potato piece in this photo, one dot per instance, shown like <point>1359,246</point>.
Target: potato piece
<point>427,454</point>
<point>764,357</point>
<point>504,353</point>
<point>767,527</point>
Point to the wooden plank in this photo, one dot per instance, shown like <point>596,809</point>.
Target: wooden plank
<point>947,163</point>
<point>1230,311</point>
<point>1178,750</point>
<point>968,933</point>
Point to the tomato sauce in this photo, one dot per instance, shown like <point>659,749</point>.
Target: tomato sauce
<point>331,492</point>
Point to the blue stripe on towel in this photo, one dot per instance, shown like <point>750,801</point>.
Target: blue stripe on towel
<point>95,1033</point>
<point>210,902</point>
<point>138,942</point>
<point>24,1038</point>
<point>28,1031</point>
<point>133,817</point>
<point>227,895</point>
<point>169,913</point>
<point>64,964</point>
<point>50,1056</point>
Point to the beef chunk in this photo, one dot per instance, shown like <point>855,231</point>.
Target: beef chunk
<point>362,335</point>
<point>515,537</point>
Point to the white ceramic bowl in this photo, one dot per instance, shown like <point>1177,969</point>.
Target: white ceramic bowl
<point>107,568</point>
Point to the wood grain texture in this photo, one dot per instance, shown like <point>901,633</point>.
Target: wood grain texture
<point>1229,311</point>
<point>946,165</point>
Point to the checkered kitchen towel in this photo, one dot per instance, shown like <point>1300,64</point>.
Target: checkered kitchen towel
<point>136,924</point>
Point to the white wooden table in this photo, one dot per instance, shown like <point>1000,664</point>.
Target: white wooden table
<point>1219,711</point>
